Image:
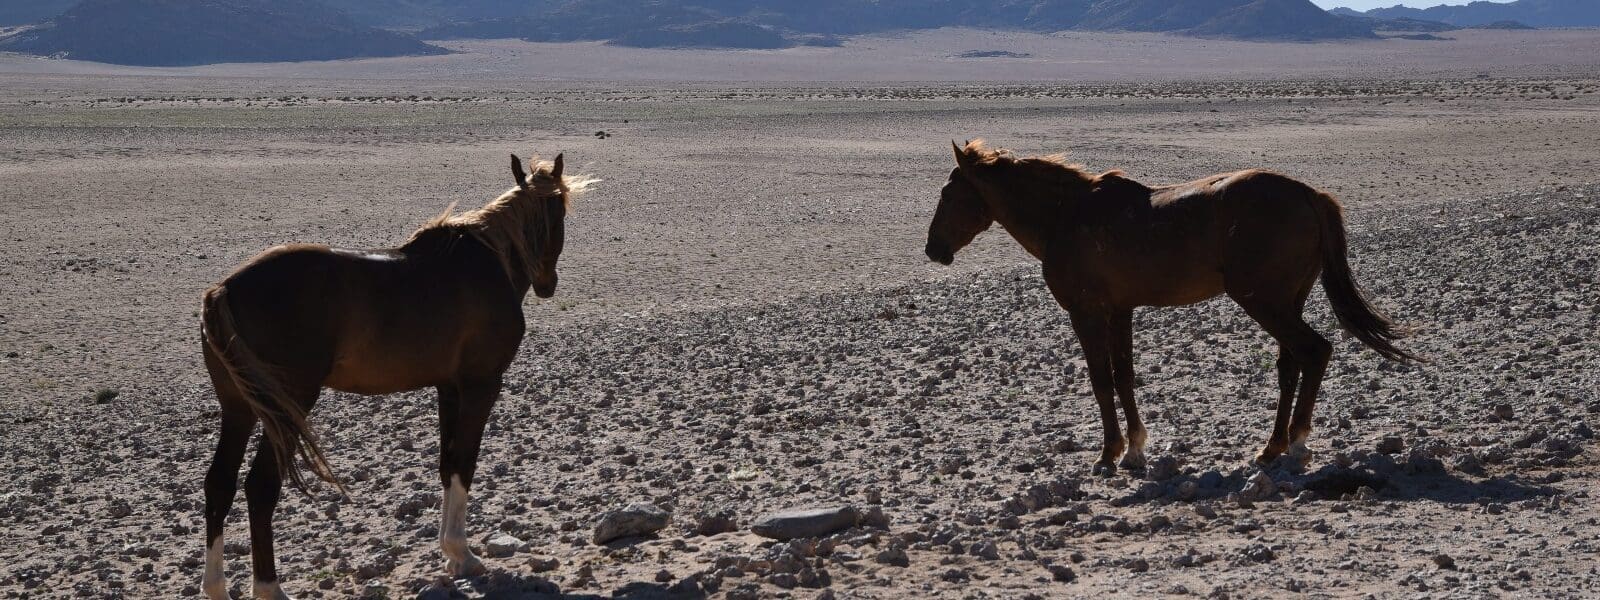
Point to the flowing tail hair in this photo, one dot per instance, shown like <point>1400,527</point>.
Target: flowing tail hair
<point>283,419</point>
<point>1356,313</point>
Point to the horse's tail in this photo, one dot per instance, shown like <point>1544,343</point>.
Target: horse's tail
<point>1356,314</point>
<point>283,419</point>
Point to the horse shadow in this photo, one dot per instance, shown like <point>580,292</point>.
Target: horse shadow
<point>1384,481</point>
<point>508,585</point>
<point>1403,483</point>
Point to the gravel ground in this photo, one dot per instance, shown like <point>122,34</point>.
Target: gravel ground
<point>953,400</point>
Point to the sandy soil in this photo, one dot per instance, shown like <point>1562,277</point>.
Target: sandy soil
<point>746,323</point>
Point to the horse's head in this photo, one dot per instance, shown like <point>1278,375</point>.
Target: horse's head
<point>962,213</point>
<point>547,192</point>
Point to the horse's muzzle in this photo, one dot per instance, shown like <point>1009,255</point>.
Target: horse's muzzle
<point>940,253</point>
<point>544,290</point>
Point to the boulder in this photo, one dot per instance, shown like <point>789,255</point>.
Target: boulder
<point>817,522</point>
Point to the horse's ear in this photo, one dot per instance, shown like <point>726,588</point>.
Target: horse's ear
<point>516,171</point>
<point>555,169</point>
<point>963,160</point>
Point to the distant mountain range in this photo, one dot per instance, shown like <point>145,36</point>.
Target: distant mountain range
<point>186,32</point>
<point>776,23</point>
<point>190,32</point>
<point>1537,13</point>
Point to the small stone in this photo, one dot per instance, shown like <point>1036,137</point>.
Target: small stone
<point>1162,468</point>
<point>894,556</point>
<point>1391,444</point>
<point>1260,553</point>
<point>713,523</point>
<point>1062,573</point>
<point>1444,561</point>
<point>543,565</point>
<point>787,525</point>
<point>1503,412</point>
<point>1259,487</point>
<point>502,545</point>
<point>635,520</point>
<point>874,517</point>
<point>986,550</point>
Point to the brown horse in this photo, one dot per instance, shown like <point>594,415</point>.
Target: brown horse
<point>1109,244</point>
<point>442,311</point>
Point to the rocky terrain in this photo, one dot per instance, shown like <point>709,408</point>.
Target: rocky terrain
<point>747,327</point>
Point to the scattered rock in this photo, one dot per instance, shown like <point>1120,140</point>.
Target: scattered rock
<point>638,519</point>
<point>715,522</point>
<point>502,545</point>
<point>817,522</point>
<point>1063,573</point>
<point>1162,468</point>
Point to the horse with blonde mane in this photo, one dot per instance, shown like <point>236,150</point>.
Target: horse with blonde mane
<point>442,311</point>
<point>1109,244</point>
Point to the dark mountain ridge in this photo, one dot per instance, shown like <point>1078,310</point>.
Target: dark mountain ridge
<point>673,23</point>
<point>191,32</point>
<point>1537,13</point>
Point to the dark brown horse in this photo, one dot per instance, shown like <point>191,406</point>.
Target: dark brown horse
<point>442,311</point>
<point>1109,244</point>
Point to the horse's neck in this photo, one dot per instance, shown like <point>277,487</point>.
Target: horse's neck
<point>1030,214</point>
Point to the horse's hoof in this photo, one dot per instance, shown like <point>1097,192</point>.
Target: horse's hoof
<point>1299,455</point>
<point>468,567</point>
<point>1133,461</point>
<point>269,590</point>
<point>1104,469</point>
<point>216,590</point>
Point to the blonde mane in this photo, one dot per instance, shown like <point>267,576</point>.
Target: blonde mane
<point>982,154</point>
<point>516,225</point>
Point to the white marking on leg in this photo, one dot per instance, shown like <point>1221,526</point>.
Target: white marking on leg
<point>269,590</point>
<point>459,559</point>
<point>214,581</point>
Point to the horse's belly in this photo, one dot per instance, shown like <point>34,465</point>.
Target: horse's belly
<point>1183,289</point>
<point>373,371</point>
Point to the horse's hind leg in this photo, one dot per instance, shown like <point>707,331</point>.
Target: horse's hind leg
<point>463,413</point>
<point>1302,358</point>
<point>222,479</point>
<point>1121,335</point>
<point>1288,378</point>
<point>262,489</point>
<point>1094,335</point>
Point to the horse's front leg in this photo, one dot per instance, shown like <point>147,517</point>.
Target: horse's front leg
<point>463,413</point>
<point>1093,335</point>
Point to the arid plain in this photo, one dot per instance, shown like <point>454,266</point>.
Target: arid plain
<point>746,322</point>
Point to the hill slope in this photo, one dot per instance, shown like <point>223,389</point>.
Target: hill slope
<point>24,12</point>
<point>1538,13</point>
<point>190,32</point>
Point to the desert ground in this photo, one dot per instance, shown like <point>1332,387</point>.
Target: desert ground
<point>746,324</point>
